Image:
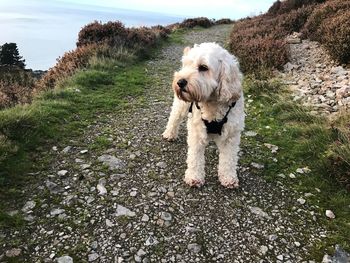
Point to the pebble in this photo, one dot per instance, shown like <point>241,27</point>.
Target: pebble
<point>14,252</point>
<point>65,259</point>
<point>161,165</point>
<point>67,149</point>
<point>123,211</point>
<point>145,218</point>
<point>29,205</point>
<point>101,189</point>
<point>151,241</point>
<point>62,172</point>
<point>93,257</point>
<point>56,211</point>
<point>330,214</point>
<point>194,248</point>
<point>250,133</point>
<point>111,161</point>
<point>291,175</point>
<point>301,201</point>
<point>258,211</point>
<point>263,250</point>
<point>166,216</point>
<point>83,151</point>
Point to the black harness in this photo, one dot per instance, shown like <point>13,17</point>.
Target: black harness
<point>214,127</point>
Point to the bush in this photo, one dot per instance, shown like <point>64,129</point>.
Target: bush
<point>112,33</point>
<point>325,11</point>
<point>287,6</point>
<point>260,53</point>
<point>16,86</point>
<point>335,32</point>
<point>199,21</point>
<point>224,21</point>
<point>295,19</point>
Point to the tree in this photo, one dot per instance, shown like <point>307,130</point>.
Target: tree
<point>9,55</point>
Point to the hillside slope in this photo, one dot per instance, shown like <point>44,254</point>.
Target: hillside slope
<point>115,191</point>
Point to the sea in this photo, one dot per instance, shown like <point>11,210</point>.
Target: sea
<point>44,32</point>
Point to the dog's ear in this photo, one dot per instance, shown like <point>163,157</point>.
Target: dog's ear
<point>186,50</point>
<point>229,81</point>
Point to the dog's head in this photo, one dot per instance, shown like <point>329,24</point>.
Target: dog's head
<point>208,72</point>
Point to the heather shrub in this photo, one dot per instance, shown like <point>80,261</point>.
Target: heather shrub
<point>113,33</point>
<point>259,53</point>
<point>335,36</point>
<point>281,7</point>
<point>224,21</point>
<point>199,21</point>
<point>294,20</point>
<point>141,37</point>
<point>16,86</point>
<point>329,9</point>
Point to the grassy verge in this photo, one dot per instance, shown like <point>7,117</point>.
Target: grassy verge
<point>303,141</point>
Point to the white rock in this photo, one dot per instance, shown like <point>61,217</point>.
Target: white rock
<point>56,211</point>
<point>301,201</point>
<point>330,214</point>
<point>83,151</point>
<point>272,147</point>
<point>123,211</point>
<point>62,172</point>
<point>194,248</point>
<point>101,189</point>
<point>67,149</point>
<point>263,250</point>
<point>166,216</point>
<point>280,257</point>
<point>54,148</point>
<point>145,218</point>
<point>15,252</point>
<point>109,223</point>
<point>29,205</point>
<point>297,244</point>
<point>258,211</point>
<point>93,257</point>
<point>291,175</point>
<point>111,161</point>
<point>250,133</point>
<point>65,259</point>
<point>161,165</point>
<point>257,165</point>
<point>151,241</point>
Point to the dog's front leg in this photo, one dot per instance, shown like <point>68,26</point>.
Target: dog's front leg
<point>178,112</point>
<point>197,141</point>
<point>228,158</point>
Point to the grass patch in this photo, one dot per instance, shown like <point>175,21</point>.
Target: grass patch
<point>304,140</point>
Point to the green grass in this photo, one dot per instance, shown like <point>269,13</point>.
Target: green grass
<point>304,140</point>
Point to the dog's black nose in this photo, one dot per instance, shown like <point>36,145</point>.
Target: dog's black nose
<point>182,84</point>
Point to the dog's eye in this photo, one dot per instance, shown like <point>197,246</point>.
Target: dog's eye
<point>202,68</point>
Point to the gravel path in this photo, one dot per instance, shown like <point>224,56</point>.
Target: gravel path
<point>128,203</point>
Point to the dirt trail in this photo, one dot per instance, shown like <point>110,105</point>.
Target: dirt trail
<point>128,203</point>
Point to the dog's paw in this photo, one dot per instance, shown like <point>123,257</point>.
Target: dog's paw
<point>229,181</point>
<point>169,135</point>
<point>194,182</point>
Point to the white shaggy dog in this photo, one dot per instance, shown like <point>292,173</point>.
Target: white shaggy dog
<point>208,89</point>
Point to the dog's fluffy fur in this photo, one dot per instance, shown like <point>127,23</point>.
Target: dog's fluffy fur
<point>214,83</point>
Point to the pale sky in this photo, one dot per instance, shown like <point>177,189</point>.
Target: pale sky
<point>45,29</point>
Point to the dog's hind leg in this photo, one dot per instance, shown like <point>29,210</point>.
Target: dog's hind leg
<point>178,112</point>
<point>228,158</point>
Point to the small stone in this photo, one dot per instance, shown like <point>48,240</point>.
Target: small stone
<point>257,165</point>
<point>327,259</point>
<point>330,214</point>
<point>94,245</point>
<point>111,161</point>
<point>145,218</point>
<point>291,175</point>
<point>250,133</point>
<point>83,151</point>
<point>141,252</point>
<point>14,252</point>
<point>297,244</point>
<point>171,194</point>
<point>123,211</point>
<point>300,171</point>
<point>133,193</point>
<point>29,205</point>
<point>109,223</point>
<point>62,172</point>
<point>301,201</point>
<point>93,257</point>
<point>85,166</point>
<point>56,211</point>
<point>258,211</point>
<point>161,165</point>
<point>150,241</point>
<point>272,237</point>
<point>263,250</point>
<point>281,175</point>
<point>194,248</point>
<point>101,189</point>
<point>166,216</point>
<point>132,156</point>
<point>272,147</point>
<point>280,257</point>
<point>54,148</point>
<point>67,149</point>
<point>65,259</point>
